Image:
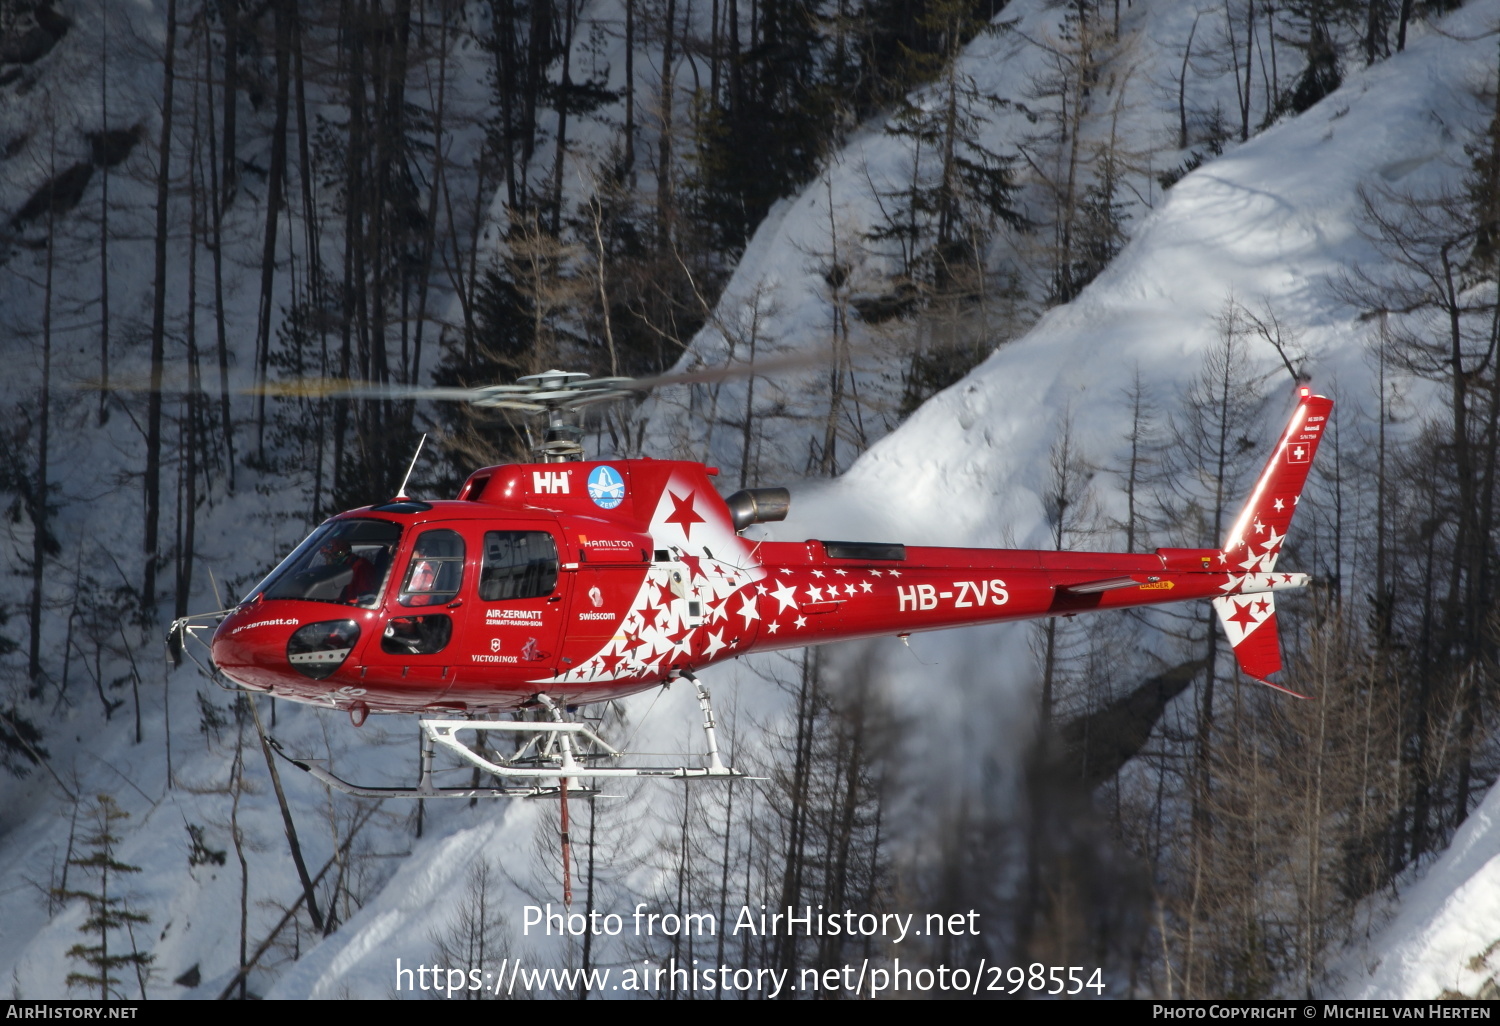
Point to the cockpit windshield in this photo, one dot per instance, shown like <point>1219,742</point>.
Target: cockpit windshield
<point>344,561</point>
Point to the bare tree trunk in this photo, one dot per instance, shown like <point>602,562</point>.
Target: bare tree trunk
<point>799,785</point>
<point>429,238</point>
<point>159,317</point>
<point>1137,397</point>
<point>311,225</point>
<point>1187,55</point>
<point>630,90</point>
<point>236,786</point>
<point>538,40</point>
<point>503,18</point>
<point>103,220</point>
<point>713,53</point>
<point>564,90</point>
<point>1249,64</point>
<point>229,177</point>
<point>664,200</point>
<point>353,277</point>
<point>286,819</point>
<point>275,188</point>
<point>40,488</point>
<point>188,470</point>
<point>216,212</point>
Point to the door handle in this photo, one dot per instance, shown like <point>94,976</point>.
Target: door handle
<point>455,603</point>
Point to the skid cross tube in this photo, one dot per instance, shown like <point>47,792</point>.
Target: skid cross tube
<point>561,738</point>
<point>553,759</point>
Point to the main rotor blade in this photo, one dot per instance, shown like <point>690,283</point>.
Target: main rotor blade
<point>728,372</point>
<point>528,398</point>
<point>321,388</point>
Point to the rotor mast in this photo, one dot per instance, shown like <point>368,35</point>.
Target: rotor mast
<point>561,395</point>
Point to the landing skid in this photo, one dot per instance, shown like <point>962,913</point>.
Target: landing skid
<point>425,789</point>
<point>553,759</point>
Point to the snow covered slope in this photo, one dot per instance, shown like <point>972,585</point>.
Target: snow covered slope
<point>1272,222</point>
<point>1444,935</point>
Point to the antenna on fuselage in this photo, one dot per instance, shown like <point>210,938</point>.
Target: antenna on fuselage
<point>401,492</point>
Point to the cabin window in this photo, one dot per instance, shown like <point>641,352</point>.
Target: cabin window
<point>343,561</point>
<point>436,570</point>
<point>416,635</point>
<point>518,565</point>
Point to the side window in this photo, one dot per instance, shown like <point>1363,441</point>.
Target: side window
<point>343,561</point>
<point>417,635</point>
<point>436,570</point>
<point>518,565</point>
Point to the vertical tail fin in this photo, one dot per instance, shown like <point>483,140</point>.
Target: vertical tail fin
<point>1255,540</point>
<point>1250,623</point>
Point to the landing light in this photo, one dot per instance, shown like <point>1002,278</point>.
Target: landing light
<point>317,649</point>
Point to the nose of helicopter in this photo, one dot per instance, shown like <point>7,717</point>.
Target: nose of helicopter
<point>264,647</point>
<point>249,647</point>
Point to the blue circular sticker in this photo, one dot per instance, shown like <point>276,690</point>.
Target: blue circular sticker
<point>606,487</point>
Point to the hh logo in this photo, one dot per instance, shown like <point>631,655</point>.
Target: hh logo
<point>550,482</point>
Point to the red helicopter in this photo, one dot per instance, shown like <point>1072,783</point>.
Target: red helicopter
<point>551,585</point>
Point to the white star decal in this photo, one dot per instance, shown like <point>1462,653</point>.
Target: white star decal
<point>865,585</point>
<point>1260,528</point>
<point>874,573</point>
<point>849,589</point>
<point>1272,541</point>
<point>786,595</point>
<point>772,627</point>
<point>760,589</point>
<point>814,594</point>
<point>842,573</point>
<point>748,610</point>
<point>817,573</point>
<point>801,621</point>
<point>715,642</point>
<point>895,573</point>
<point>1279,506</point>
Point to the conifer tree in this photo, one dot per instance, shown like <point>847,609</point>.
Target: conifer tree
<point>941,221</point>
<point>109,913</point>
